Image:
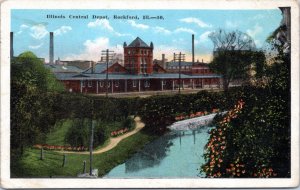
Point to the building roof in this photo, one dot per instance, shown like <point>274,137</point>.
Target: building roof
<point>85,76</point>
<point>176,64</point>
<point>63,68</point>
<point>138,42</point>
<point>99,67</point>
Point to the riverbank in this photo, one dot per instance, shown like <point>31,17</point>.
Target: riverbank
<point>30,164</point>
<point>113,141</point>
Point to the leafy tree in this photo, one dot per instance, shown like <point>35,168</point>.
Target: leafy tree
<point>234,55</point>
<point>256,141</point>
<point>31,104</point>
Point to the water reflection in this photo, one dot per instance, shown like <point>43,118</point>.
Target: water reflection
<point>151,154</point>
<point>176,154</point>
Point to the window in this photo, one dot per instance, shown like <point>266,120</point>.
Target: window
<point>117,83</point>
<point>108,84</point>
<point>90,83</point>
<point>164,82</point>
<point>83,83</point>
<point>101,83</point>
<point>134,83</point>
<point>147,83</point>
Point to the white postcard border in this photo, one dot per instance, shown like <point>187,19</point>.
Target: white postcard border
<point>8,182</point>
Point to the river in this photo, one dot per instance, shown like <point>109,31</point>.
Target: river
<point>174,155</point>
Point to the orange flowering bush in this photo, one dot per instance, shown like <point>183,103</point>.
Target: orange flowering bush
<point>119,132</point>
<point>183,116</point>
<point>252,139</point>
<point>57,147</point>
<point>216,147</point>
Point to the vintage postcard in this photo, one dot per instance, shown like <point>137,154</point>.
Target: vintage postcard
<point>149,94</point>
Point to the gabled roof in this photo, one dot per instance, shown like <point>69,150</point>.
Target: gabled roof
<point>138,42</point>
<point>63,69</point>
<point>99,68</point>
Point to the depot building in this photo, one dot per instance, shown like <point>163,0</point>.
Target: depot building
<point>138,73</point>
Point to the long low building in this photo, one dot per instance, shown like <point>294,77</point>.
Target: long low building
<point>97,83</point>
<point>137,75</point>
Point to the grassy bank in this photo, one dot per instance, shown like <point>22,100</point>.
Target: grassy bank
<point>30,164</point>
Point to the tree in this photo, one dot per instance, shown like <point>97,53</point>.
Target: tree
<point>31,106</point>
<point>234,55</point>
<point>254,139</point>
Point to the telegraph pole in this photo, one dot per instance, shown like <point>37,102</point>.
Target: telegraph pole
<point>180,58</point>
<point>92,136</point>
<point>108,56</point>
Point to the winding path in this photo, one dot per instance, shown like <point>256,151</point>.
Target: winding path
<point>114,141</point>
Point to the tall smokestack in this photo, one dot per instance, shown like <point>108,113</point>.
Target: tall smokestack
<point>51,51</point>
<point>11,45</point>
<point>173,57</point>
<point>193,51</point>
<point>163,60</point>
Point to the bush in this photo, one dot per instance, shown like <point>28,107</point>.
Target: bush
<point>128,123</point>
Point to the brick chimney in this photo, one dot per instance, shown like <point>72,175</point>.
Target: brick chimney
<point>51,49</point>
<point>163,61</point>
<point>193,49</point>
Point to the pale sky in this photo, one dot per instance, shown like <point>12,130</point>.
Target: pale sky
<point>86,38</point>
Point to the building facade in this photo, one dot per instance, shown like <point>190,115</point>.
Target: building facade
<point>138,74</point>
<point>138,57</point>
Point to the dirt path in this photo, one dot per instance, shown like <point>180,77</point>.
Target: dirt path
<point>114,141</point>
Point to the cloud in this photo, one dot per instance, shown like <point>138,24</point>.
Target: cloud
<point>258,17</point>
<point>22,28</point>
<point>38,31</point>
<point>92,49</point>
<point>35,46</point>
<point>196,21</point>
<point>255,31</point>
<point>105,25</point>
<point>204,37</point>
<point>102,23</point>
<point>231,24</point>
<point>184,30</point>
<point>62,30</point>
<point>161,30</point>
<point>139,26</point>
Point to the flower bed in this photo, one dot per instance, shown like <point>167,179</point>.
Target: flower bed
<point>184,116</point>
<point>217,146</point>
<point>217,156</point>
<point>55,147</point>
<point>119,132</point>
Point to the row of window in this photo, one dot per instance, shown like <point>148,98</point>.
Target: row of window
<point>182,67</point>
<point>143,52</point>
<point>116,83</point>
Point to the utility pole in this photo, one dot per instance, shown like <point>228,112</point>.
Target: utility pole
<point>108,56</point>
<point>91,147</point>
<point>92,137</point>
<point>180,58</point>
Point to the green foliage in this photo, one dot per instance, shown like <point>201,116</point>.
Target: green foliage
<point>236,64</point>
<point>56,136</point>
<point>31,104</point>
<point>128,123</point>
<point>79,133</point>
<point>258,140</point>
<point>29,165</point>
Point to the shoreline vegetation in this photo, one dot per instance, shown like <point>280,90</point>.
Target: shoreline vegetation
<point>51,166</point>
